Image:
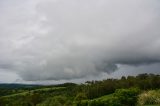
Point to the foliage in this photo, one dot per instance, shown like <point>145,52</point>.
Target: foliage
<point>80,96</point>
<point>121,97</point>
<point>56,101</point>
<point>127,96</point>
<point>109,92</point>
<point>151,97</point>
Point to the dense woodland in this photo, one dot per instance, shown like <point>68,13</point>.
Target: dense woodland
<point>143,89</point>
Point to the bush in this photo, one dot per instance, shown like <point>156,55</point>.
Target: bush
<point>127,97</point>
<point>56,101</point>
<point>34,98</point>
<point>80,97</point>
<point>112,101</point>
<point>151,97</point>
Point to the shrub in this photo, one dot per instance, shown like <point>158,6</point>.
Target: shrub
<point>56,101</point>
<point>112,101</point>
<point>96,103</point>
<point>149,98</point>
<point>127,96</point>
<point>80,97</point>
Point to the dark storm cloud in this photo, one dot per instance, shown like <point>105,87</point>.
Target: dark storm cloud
<point>69,39</point>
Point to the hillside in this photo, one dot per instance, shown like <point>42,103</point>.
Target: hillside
<point>127,91</point>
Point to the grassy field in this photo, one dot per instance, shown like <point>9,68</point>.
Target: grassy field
<point>104,98</point>
<point>36,90</point>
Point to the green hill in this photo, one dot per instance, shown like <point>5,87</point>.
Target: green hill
<point>127,91</point>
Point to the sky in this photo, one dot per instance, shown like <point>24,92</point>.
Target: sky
<point>57,41</point>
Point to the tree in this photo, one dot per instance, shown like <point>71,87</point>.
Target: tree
<point>79,97</point>
<point>34,98</point>
<point>127,97</point>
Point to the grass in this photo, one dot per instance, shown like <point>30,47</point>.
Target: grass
<point>103,98</point>
<point>149,98</point>
<point>36,90</point>
<point>151,105</point>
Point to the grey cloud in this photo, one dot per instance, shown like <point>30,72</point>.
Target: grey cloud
<point>106,67</point>
<point>55,40</point>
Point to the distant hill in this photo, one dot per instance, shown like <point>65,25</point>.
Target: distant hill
<point>21,86</point>
<point>16,86</point>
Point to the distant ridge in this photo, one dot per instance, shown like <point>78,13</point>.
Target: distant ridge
<point>16,86</point>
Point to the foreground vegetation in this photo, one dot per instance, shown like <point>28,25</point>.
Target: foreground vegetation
<point>140,90</point>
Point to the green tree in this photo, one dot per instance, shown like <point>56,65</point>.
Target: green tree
<point>79,97</point>
<point>127,97</point>
<point>34,98</point>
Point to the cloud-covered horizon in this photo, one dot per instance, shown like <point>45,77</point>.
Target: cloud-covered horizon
<point>70,39</point>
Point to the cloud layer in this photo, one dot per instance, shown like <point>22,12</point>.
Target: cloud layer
<point>69,39</point>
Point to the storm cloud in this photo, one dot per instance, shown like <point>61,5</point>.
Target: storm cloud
<point>70,39</point>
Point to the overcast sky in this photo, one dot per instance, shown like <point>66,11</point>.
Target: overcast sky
<point>54,41</point>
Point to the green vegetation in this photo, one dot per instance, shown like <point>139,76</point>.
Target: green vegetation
<point>141,90</point>
<point>121,97</point>
<point>149,97</point>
